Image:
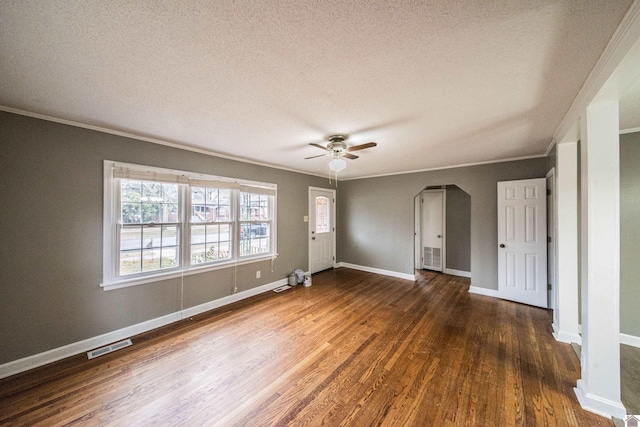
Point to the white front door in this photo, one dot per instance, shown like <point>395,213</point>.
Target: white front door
<point>322,229</point>
<point>522,241</point>
<point>433,229</point>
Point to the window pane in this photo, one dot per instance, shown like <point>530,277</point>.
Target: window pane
<point>151,237</point>
<point>170,236</point>
<point>130,262</point>
<point>170,212</point>
<point>170,193</point>
<point>151,212</point>
<point>254,238</point>
<point>197,195</point>
<point>150,259</point>
<point>197,254</point>
<point>254,207</point>
<point>131,191</point>
<point>130,238</point>
<point>210,205</point>
<point>322,214</point>
<point>212,233</point>
<point>197,234</point>
<point>131,213</point>
<point>225,250</point>
<point>151,192</point>
<point>169,257</point>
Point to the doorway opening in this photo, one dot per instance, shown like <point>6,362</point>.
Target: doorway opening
<point>442,230</point>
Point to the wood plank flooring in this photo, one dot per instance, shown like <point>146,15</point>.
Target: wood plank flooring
<point>355,349</point>
<point>630,378</point>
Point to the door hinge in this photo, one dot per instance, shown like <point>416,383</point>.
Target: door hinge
<point>549,286</point>
<point>548,191</point>
<point>334,258</point>
<point>548,239</point>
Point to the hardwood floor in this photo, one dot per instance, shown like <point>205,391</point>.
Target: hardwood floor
<point>630,378</point>
<point>354,349</point>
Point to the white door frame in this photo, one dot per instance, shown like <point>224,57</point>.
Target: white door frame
<point>310,226</point>
<point>417,232</point>
<point>552,227</point>
<point>443,262</point>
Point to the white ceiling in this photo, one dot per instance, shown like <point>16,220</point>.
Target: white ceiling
<point>435,83</point>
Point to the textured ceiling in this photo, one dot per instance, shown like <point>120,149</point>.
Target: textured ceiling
<point>434,83</point>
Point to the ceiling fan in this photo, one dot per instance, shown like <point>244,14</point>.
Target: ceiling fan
<point>338,149</point>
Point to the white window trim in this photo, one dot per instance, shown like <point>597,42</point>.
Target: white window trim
<point>111,281</point>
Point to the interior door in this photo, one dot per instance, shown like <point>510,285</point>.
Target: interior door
<point>432,229</point>
<point>322,229</point>
<point>522,241</point>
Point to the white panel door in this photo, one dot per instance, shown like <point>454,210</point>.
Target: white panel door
<point>433,229</point>
<point>321,229</point>
<point>522,241</point>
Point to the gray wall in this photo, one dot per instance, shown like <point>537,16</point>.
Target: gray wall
<point>375,215</point>
<point>552,158</point>
<point>458,230</point>
<point>51,183</point>
<point>630,234</point>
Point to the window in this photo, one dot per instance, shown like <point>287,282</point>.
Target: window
<point>148,230</point>
<point>322,214</point>
<point>160,223</point>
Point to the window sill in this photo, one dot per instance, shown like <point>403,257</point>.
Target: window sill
<point>187,271</point>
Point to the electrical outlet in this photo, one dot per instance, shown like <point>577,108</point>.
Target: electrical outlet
<point>258,274</point>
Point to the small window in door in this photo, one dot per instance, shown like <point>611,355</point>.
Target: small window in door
<point>322,215</point>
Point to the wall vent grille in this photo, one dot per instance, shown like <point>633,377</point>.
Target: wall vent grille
<point>108,349</point>
<point>432,257</point>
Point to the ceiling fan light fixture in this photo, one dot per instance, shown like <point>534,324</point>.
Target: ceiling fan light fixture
<point>337,165</point>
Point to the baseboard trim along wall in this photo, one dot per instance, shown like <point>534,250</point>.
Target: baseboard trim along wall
<point>406,276</point>
<point>484,291</point>
<point>50,356</point>
<point>630,340</point>
<point>565,337</point>
<point>460,273</point>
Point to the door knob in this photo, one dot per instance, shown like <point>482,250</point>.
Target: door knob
<point>313,238</point>
<point>502,245</point>
<point>439,236</point>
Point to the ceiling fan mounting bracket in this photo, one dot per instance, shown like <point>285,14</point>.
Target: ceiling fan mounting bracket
<point>337,144</point>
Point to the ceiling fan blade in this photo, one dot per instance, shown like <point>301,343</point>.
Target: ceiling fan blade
<point>313,157</point>
<point>349,156</point>
<point>313,144</point>
<point>362,146</point>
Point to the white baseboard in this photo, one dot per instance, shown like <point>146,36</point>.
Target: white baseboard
<point>484,291</point>
<point>406,276</point>
<point>50,356</point>
<point>598,405</point>
<point>457,272</point>
<point>630,340</point>
<point>565,337</point>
